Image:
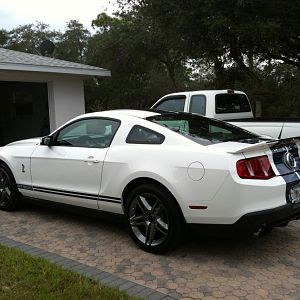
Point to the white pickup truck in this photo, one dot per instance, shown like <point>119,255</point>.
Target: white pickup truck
<point>230,106</point>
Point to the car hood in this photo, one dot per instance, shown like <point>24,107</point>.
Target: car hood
<point>27,142</point>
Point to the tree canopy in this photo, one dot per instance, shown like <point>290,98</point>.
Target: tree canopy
<point>154,47</point>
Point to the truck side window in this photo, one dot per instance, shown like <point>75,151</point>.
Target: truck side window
<point>198,104</point>
<point>232,103</point>
<point>174,103</point>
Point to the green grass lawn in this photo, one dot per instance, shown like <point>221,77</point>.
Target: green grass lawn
<point>25,277</point>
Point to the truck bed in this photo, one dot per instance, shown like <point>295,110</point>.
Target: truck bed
<point>266,119</point>
<point>274,127</point>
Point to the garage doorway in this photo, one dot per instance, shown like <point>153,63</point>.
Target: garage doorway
<point>24,111</point>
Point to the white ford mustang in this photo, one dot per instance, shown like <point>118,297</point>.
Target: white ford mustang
<point>162,170</point>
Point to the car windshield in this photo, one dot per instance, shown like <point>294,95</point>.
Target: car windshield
<point>203,130</point>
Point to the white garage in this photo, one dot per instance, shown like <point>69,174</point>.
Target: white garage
<point>38,94</point>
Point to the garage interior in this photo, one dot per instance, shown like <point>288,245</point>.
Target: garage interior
<point>24,111</point>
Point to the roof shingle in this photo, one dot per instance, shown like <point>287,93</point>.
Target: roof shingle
<point>20,61</point>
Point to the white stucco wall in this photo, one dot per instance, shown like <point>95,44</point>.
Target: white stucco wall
<point>65,93</point>
<point>66,99</point>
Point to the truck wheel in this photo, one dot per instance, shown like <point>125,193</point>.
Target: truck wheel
<point>9,194</point>
<point>153,218</point>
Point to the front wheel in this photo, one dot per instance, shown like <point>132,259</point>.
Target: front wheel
<point>9,194</point>
<point>153,218</point>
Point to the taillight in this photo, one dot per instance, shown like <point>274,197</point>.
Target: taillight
<point>255,168</point>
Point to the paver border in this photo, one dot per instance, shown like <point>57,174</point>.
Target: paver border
<point>106,278</point>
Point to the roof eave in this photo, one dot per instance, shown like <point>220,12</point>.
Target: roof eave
<point>57,70</point>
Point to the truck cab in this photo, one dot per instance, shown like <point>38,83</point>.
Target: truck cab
<point>218,104</point>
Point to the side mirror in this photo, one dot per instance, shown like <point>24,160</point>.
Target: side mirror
<point>47,141</point>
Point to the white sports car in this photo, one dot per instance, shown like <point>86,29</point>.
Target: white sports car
<point>162,170</point>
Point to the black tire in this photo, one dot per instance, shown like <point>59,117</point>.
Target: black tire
<point>153,218</point>
<point>9,194</point>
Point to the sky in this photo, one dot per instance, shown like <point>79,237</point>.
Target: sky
<point>53,12</point>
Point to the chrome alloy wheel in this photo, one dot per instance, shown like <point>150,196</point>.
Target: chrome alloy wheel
<point>149,219</point>
<point>5,188</point>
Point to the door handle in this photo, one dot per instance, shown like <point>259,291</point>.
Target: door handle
<point>91,160</point>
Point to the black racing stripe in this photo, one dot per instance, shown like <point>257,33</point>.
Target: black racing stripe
<point>25,187</point>
<point>278,152</point>
<point>79,195</point>
<point>290,176</point>
<point>70,193</point>
<point>64,191</point>
<point>64,194</point>
<point>109,200</point>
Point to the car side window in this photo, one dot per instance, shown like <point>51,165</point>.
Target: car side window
<point>175,103</point>
<point>88,133</point>
<point>198,104</point>
<point>142,135</point>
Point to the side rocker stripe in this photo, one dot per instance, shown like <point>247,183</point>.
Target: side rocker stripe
<point>70,193</point>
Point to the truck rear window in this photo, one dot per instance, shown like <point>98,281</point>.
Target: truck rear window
<point>232,103</point>
<point>202,130</point>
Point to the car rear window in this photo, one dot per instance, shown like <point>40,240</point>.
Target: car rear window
<point>202,130</point>
<point>232,103</point>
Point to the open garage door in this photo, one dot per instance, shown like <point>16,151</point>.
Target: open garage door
<point>24,111</point>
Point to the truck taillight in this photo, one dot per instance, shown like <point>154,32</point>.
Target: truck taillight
<point>255,168</point>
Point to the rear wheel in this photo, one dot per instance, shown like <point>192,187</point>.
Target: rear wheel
<point>153,218</point>
<point>9,194</point>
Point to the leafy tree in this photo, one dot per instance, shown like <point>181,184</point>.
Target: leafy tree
<point>154,47</point>
<point>125,48</point>
<point>3,37</point>
<point>228,31</point>
<point>27,38</point>
<point>239,39</point>
<point>72,44</point>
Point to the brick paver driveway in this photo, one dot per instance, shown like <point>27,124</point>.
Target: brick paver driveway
<point>255,268</point>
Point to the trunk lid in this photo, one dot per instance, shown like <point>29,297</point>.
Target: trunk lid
<point>284,152</point>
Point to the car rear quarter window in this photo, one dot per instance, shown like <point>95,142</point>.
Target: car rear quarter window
<point>232,103</point>
<point>175,103</point>
<point>142,135</point>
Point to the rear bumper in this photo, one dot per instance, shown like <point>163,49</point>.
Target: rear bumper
<point>252,222</point>
<point>271,217</point>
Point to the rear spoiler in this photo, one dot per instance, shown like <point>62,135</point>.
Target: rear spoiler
<point>265,145</point>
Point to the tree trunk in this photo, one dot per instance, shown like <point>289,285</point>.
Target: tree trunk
<point>219,73</point>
